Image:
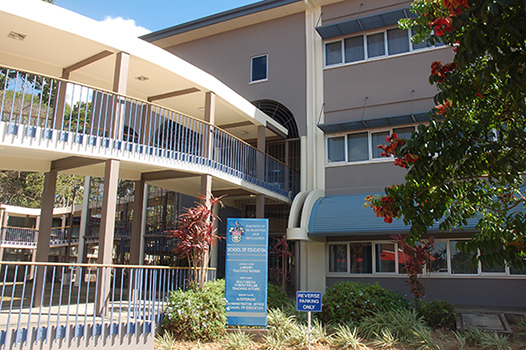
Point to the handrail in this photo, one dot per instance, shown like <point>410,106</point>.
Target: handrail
<point>36,263</point>
<point>139,100</point>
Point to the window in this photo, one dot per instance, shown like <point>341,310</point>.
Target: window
<point>361,257</point>
<point>460,261</point>
<point>397,41</point>
<point>259,68</point>
<point>394,41</point>
<point>389,257</point>
<point>361,146</point>
<point>336,149</point>
<point>438,258</point>
<point>385,257</point>
<point>357,145</point>
<point>338,258</point>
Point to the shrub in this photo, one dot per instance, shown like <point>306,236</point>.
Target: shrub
<point>347,301</point>
<point>197,314</point>
<point>276,297</point>
<point>438,313</point>
<point>403,324</point>
<point>238,341</point>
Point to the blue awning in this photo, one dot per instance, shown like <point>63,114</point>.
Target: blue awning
<point>345,216</point>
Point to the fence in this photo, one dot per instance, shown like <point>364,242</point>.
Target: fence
<point>48,302</point>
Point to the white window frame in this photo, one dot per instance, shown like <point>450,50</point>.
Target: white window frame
<point>366,53</point>
<point>400,274</point>
<point>369,146</point>
<point>252,66</point>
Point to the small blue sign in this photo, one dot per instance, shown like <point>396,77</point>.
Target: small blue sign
<point>308,301</point>
<point>246,272</point>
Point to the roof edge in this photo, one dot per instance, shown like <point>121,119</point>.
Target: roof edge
<point>216,18</point>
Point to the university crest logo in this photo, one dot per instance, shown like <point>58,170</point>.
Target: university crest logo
<point>236,233</point>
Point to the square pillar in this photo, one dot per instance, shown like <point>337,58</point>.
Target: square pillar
<point>140,201</point>
<point>260,199</point>
<point>107,228</point>
<point>44,230</point>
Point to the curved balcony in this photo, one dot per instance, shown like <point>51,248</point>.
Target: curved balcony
<point>42,115</point>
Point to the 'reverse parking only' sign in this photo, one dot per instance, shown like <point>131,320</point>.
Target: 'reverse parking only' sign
<point>246,272</point>
<point>308,301</point>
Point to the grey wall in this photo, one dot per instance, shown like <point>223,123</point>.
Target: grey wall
<point>227,57</point>
<point>505,292</point>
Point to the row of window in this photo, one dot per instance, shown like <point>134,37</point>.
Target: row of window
<point>389,42</point>
<point>361,146</point>
<point>389,257</point>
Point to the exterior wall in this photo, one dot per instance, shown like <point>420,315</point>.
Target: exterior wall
<point>474,292</point>
<point>227,56</point>
<point>362,178</point>
<point>388,86</point>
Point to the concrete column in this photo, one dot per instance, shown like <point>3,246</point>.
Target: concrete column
<point>208,138</point>
<point>33,251</point>
<point>44,230</point>
<point>107,228</point>
<point>137,234</point>
<point>206,188</point>
<point>84,216</point>
<point>312,266</point>
<point>260,199</point>
<point>120,83</point>
<point>214,251</point>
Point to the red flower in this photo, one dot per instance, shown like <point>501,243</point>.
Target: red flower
<point>388,219</point>
<point>442,25</point>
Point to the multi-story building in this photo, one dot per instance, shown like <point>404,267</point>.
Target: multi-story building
<point>341,76</point>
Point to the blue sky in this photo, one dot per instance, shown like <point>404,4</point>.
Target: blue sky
<point>151,14</point>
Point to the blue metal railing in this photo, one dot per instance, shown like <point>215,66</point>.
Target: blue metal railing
<point>36,106</point>
<point>47,302</point>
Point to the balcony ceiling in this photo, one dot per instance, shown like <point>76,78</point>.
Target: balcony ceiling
<point>56,38</point>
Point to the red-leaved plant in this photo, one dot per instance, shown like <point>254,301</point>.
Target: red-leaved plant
<point>415,262</point>
<point>196,236</point>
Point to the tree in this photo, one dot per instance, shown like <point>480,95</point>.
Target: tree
<point>470,161</point>
<point>196,236</point>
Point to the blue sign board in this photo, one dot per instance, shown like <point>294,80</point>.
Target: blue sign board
<point>246,272</point>
<point>308,301</point>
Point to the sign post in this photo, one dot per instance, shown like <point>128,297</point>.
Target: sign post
<point>310,302</point>
<point>246,272</point>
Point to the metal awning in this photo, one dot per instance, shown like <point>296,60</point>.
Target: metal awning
<point>364,124</point>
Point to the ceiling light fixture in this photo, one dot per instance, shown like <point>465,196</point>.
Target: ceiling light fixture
<point>142,78</point>
<point>16,36</point>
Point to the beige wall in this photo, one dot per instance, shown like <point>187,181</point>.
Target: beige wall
<point>227,56</point>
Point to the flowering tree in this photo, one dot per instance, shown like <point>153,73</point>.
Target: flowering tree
<point>470,161</point>
<point>196,236</point>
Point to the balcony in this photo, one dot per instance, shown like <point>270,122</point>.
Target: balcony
<point>49,115</point>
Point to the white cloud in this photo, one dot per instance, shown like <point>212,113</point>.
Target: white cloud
<point>122,26</point>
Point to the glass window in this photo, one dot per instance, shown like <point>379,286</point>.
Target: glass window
<point>515,271</point>
<point>375,45</point>
<point>378,138</point>
<point>357,145</point>
<point>460,261</point>
<point>404,254</point>
<point>438,258</point>
<point>333,53</point>
<point>422,45</point>
<point>404,133</point>
<point>397,41</point>
<point>493,269</point>
<point>336,149</point>
<point>259,68</point>
<point>338,258</point>
<point>354,50</point>
<point>385,257</point>
<point>361,258</point>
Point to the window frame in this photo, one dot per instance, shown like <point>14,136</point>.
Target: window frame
<point>400,274</point>
<point>365,36</point>
<point>370,146</point>
<point>252,68</point>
